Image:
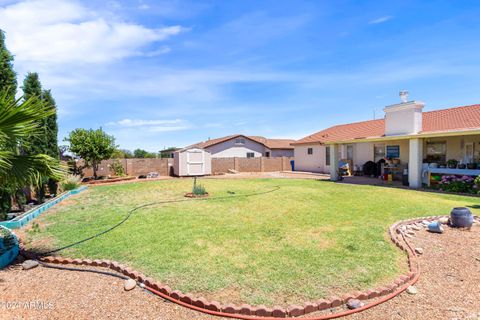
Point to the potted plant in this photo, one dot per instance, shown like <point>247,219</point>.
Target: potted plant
<point>452,163</point>
<point>462,166</point>
<point>472,166</point>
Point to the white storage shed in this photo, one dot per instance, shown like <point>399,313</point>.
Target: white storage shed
<point>192,162</point>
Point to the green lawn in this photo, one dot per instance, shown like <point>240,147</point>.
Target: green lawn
<point>308,240</point>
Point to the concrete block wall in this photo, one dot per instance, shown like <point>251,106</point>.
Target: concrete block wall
<point>259,164</point>
<point>136,167</point>
<point>133,167</point>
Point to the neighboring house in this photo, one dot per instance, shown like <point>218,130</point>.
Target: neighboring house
<point>169,152</point>
<point>406,134</point>
<point>246,147</point>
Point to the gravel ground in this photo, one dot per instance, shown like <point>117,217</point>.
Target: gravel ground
<point>449,288</point>
<point>449,285</point>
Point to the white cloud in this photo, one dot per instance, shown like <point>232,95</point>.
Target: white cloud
<point>65,31</point>
<point>142,123</point>
<point>150,125</point>
<point>380,20</point>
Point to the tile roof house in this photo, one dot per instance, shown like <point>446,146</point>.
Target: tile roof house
<point>238,145</point>
<point>407,133</point>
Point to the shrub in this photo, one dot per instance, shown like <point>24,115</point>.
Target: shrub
<point>463,184</point>
<point>199,190</point>
<point>70,182</point>
<point>477,183</point>
<point>117,168</point>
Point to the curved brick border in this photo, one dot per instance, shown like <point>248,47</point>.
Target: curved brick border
<point>398,232</point>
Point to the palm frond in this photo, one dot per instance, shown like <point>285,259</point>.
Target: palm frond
<point>23,170</point>
<point>19,119</point>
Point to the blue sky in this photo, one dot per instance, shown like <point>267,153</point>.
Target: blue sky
<point>171,73</point>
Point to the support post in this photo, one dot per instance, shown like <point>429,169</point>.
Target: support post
<point>334,162</point>
<point>415,163</point>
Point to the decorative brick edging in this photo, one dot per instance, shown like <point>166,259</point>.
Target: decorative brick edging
<point>398,233</point>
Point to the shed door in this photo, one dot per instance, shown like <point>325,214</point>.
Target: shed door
<point>195,162</point>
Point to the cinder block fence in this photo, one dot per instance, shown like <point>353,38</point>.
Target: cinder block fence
<point>136,167</point>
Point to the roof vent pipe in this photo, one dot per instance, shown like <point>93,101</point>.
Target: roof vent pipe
<point>404,96</point>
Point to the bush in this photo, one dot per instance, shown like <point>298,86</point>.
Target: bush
<point>71,182</point>
<point>199,190</point>
<point>117,168</point>
<point>463,184</point>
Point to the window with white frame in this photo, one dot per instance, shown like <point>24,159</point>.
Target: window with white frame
<point>250,155</point>
<point>327,156</point>
<point>310,151</point>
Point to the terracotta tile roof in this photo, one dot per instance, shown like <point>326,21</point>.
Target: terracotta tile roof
<point>269,143</point>
<point>452,119</point>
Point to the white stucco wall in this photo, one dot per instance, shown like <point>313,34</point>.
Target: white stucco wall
<point>310,162</point>
<point>229,148</point>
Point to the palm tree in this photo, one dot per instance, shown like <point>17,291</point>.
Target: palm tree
<point>19,120</point>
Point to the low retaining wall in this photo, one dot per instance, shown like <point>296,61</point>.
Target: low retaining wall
<point>398,233</point>
<point>23,219</point>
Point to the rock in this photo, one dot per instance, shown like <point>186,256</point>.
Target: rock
<point>417,228</point>
<point>408,235</point>
<point>412,290</point>
<point>419,250</point>
<point>426,222</point>
<point>435,227</point>
<point>29,264</point>
<point>444,220</point>
<point>130,284</point>
<point>354,304</point>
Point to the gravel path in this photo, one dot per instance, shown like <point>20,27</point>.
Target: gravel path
<point>449,288</point>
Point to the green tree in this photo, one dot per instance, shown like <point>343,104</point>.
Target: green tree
<point>19,120</point>
<point>123,154</point>
<point>51,136</point>
<point>140,153</point>
<point>8,77</point>
<point>92,146</point>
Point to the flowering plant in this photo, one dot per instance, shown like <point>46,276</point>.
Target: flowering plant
<point>453,183</point>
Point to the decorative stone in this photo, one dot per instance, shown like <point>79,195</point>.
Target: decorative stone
<point>295,311</point>
<point>200,302</point>
<point>412,290</point>
<point>310,307</point>
<point>335,302</point>
<point>29,264</point>
<point>129,284</point>
<point>354,304</point>
<point>323,304</point>
<point>279,312</point>
<point>165,290</point>
<point>435,227</point>
<point>176,294</point>
<point>229,308</point>
<point>419,250</point>
<point>444,220</point>
<point>214,306</point>
<point>374,293</point>
<point>263,311</point>
<point>246,309</point>
<point>187,299</point>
